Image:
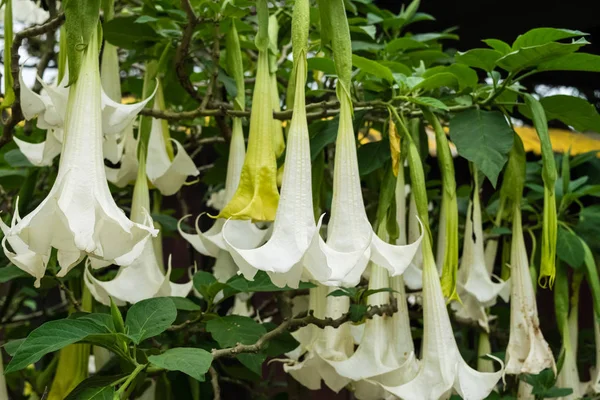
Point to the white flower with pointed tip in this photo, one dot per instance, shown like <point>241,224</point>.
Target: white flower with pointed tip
<point>27,260</point>
<point>282,255</point>
<point>242,233</point>
<point>144,278</point>
<point>50,108</point>
<point>527,351</point>
<point>475,287</point>
<point>351,242</point>
<point>79,216</point>
<point>321,346</point>
<point>442,368</point>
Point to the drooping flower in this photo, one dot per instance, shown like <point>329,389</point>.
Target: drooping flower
<point>51,109</point>
<point>475,287</point>
<point>442,368</point>
<point>351,242</point>
<point>324,346</point>
<point>27,12</point>
<point>79,216</point>
<point>412,277</point>
<point>144,278</point>
<point>527,351</point>
<point>282,256</point>
<point>256,196</point>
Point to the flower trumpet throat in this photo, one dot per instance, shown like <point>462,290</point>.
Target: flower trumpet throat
<point>257,197</point>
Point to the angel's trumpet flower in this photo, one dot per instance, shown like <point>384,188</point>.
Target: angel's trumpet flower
<point>256,196</point>
<point>350,238</point>
<point>52,111</point>
<point>527,351</point>
<point>79,216</point>
<point>283,254</point>
<point>144,277</point>
<point>328,345</point>
<point>475,287</point>
<point>442,368</point>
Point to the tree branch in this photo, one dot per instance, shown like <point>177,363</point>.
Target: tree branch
<point>214,380</point>
<point>16,114</point>
<point>299,321</point>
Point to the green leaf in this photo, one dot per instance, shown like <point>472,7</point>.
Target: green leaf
<point>11,272</point>
<point>540,36</point>
<point>96,387</point>
<point>372,156</point>
<point>261,283</point>
<point>572,111</point>
<point>126,33</point>
<point>207,285</point>
<point>372,67</point>
<point>431,36</point>
<point>467,77</point>
<point>145,19</point>
<point>498,45</point>
<point>55,335</point>
<point>322,133</point>
<point>149,318</point>
<point>569,248</point>
<point>183,304</point>
<point>531,56</point>
<point>396,67</point>
<point>191,361</point>
<point>321,64</point>
<point>12,346</point>
<point>252,361</point>
<point>81,19</point>
<point>479,58</point>
<point>573,62</point>
<point>404,43</point>
<point>357,312</point>
<point>233,329</point>
<point>484,138</point>
<point>428,101</point>
<point>437,81</point>
<point>16,159</point>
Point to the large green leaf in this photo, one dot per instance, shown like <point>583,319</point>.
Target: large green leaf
<point>527,57</point>
<point>483,137</point>
<point>97,387</point>
<point>373,68</point>
<point>372,156</point>
<point>55,335</point>
<point>11,272</point>
<point>428,101</point>
<point>404,43</point>
<point>149,318</point>
<point>498,45</point>
<point>479,58</point>
<point>467,77</point>
<point>192,361</point>
<point>539,36</point>
<point>573,111</point>
<point>573,62</point>
<point>233,329</point>
<point>125,32</point>
<point>321,64</point>
<point>437,81</point>
<point>569,248</point>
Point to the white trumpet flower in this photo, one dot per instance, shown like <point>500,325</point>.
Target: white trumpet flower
<point>442,368</point>
<point>294,227</point>
<point>51,108</point>
<point>242,233</point>
<point>413,276</point>
<point>144,277</point>
<point>527,351</point>
<point>79,216</point>
<point>320,347</point>
<point>351,242</point>
<point>475,287</point>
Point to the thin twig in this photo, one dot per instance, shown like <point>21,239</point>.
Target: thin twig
<point>183,50</point>
<point>16,114</point>
<point>69,293</point>
<point>214,380</point>
<point>301,320</point>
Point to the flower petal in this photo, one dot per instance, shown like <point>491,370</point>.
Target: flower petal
<point>40,154</point>
<point>171,179</point>
<point>395,258</point>
<point>474,385</point>
<point>116,116</point>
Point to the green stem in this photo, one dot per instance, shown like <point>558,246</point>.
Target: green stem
<point>130,378</point>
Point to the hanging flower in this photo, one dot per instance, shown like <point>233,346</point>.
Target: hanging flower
<point>442,368</point>
<point>321,347</point>
<point>27,12</point>
<point>475,287</point>
<point>144,278</point>
<point>79,216</point>
<point>256,196</point>
<point>527,351</point>
<point>350,238</point>
<point>51,108</point>
<point>283,254</point>
<point>413,275</point>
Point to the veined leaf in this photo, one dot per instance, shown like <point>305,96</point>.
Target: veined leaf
<point>573,62</point>
<point>498,45</point>
<point>479,58</point>
<point>191,361</point>
<point>572,111</point>
<point>428,101</point>
<point>149,318</point>
<point>372,67</point>
<point>527,57</point>
<point>539,36</point>
<point>437,81</point>
<point>466,76</point>
<point>233,329</point>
